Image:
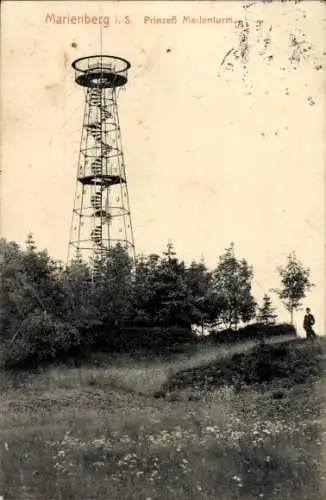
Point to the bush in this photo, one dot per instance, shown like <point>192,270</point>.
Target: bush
<point>40,337</point>
<point>148,339</point>
<point>288,362</point>
<point>257,331</point>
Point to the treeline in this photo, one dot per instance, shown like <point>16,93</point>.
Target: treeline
<point>48,309</point>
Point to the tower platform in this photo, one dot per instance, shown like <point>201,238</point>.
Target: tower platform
<point>101,71</point>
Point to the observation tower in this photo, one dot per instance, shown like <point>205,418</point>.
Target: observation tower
<point>101,215</point>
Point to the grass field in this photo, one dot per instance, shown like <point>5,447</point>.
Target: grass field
<point>97,433</point>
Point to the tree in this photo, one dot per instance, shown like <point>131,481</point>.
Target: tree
<point>30,243</point>
<point>166,291</point>
<point>79,305</point>
<point>12,297</point>
<point>295,280</point>
<point>170,299</point>
<point>204,303</point>
<point>266,312</point>
<point>145,287</point>
<point>28,283</point>
<point>232,282</point>
<point>113,287</point>
<point>32,320</point>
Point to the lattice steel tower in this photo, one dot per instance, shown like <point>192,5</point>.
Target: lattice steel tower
<point>101,215</point>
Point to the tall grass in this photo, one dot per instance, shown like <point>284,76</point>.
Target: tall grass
<point>96,433</point>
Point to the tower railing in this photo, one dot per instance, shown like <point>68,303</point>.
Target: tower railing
<point>101,71</point>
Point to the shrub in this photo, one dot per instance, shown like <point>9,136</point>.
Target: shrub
<point>256,331</point>
<point>288,362</point>
<point>149,339</point>
<point>40,337</point>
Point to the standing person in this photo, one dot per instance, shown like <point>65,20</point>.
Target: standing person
<point>308,323</point>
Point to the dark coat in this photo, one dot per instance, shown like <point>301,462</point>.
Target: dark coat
<point>308,321</point>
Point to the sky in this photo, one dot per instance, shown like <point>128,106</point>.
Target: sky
<point>223,129</point>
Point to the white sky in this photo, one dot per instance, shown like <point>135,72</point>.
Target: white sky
<point>204,164</point>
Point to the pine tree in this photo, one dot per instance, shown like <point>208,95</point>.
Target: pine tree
<point>30,243</point>
<point>113,290</point>
<point>145,287</point>
<point>266,313</point>
<point>171,290</point>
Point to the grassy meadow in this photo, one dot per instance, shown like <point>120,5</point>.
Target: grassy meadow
<point>97,432</point>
